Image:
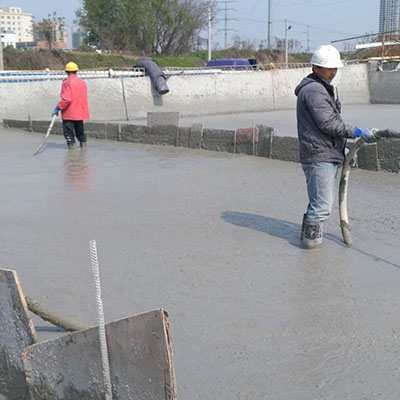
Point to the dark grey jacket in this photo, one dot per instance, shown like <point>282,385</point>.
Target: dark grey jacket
<point>321,130</point>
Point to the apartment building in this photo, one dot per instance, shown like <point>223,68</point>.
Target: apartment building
<point>58,37</point>
<point>389,15</point>
<point>12,19</point>
<point>9,38</point>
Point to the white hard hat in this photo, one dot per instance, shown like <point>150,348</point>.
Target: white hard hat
<point>326,56</point>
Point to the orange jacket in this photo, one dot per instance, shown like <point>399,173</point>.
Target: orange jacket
<point>74,103</point>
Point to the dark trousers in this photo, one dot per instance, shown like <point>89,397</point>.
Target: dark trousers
<point>69,126</point>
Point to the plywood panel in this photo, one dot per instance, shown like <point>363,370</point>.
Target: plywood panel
<point>16,332</point>
<point>140,355</point>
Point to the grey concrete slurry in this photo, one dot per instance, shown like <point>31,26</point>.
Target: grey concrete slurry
<point>212,238</point>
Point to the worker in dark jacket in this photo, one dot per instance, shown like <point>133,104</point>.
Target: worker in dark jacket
<point>322,136</point>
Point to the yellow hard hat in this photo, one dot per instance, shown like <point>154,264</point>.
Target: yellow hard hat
<point>71,67</point>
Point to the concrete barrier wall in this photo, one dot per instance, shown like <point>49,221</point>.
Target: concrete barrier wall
<point>132,98</point>
<point>260,141</point>
<point>385,85</point>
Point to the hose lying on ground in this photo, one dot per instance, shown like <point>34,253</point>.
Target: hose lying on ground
<point>51,316</point>
<point>344,182</point>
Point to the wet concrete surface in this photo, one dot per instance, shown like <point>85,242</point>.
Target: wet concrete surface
<point>213,239</point>
<point>284,121</point>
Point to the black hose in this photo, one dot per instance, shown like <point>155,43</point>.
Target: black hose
<point>387,134</point>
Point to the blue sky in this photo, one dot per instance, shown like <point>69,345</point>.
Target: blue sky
<point>327,19</point>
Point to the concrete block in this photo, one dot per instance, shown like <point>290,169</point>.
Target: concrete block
<point>196,136</point>
<point>265,137</point>
<point>113,131</point>
<point>95,130</point>
<point>16,333</point>
<point>388,148</point>
<point>166,135</point>
<point>162,119</point>
<point>184,136</point>
<point>40,126</point>
<point>140,356</point>
<point>245,140</point>
<point>390,165</point>
<point>367,157</point>
<point>134,133</point>
<point>384,87</point>
<point>218,140</point>
<point>57,128</point>
<point>285,149</point>
<point>15,123</point>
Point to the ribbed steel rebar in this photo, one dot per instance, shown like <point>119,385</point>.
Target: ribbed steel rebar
<point>102,331</point>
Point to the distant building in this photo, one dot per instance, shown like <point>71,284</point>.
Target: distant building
<point>58,37</point>
<point>12,19</point>
<point>8,38</point>
<point>389,16</point>
<point>76,39</point>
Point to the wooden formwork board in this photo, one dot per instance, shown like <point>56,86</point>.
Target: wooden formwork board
<point>16,333</point>
<point>140,357</point>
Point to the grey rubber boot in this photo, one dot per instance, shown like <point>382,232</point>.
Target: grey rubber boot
<point>312,235</point>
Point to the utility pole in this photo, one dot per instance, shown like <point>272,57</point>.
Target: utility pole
<point>383,39</point>
<point>226,19</point>
<point>286,42</point>
<point>269,23</point>
<point>209,33</point>
<point>1,49</point>
<point>308,38</point>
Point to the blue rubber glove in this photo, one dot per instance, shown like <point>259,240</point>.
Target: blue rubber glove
<point>365,133</point>
<point>55,111</point>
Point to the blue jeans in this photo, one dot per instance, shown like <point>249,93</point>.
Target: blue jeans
<point>320,178</point>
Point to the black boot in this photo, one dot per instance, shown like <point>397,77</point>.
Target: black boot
<point>312,235</point>
<point>302,227</point>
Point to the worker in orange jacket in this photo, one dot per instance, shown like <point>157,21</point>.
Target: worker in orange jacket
<point>73,106</point>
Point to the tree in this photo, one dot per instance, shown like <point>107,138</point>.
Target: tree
<point>49,29</point>
<point>153,27</point>
<point>294,46</point>
<point>243,44</point>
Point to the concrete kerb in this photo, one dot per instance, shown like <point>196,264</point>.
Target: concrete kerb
<point>259,140</point>
<point>388,155</point>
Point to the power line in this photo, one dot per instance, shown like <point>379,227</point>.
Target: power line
<point>363,36</point>
<point>314,5</point>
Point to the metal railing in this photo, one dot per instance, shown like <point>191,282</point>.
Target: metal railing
<point>49,75</point>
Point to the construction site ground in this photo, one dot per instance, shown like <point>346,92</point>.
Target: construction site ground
<point>214,239</point>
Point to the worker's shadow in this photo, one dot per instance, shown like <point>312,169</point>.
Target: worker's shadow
<point>272,226</point>
<point>285,230</point>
